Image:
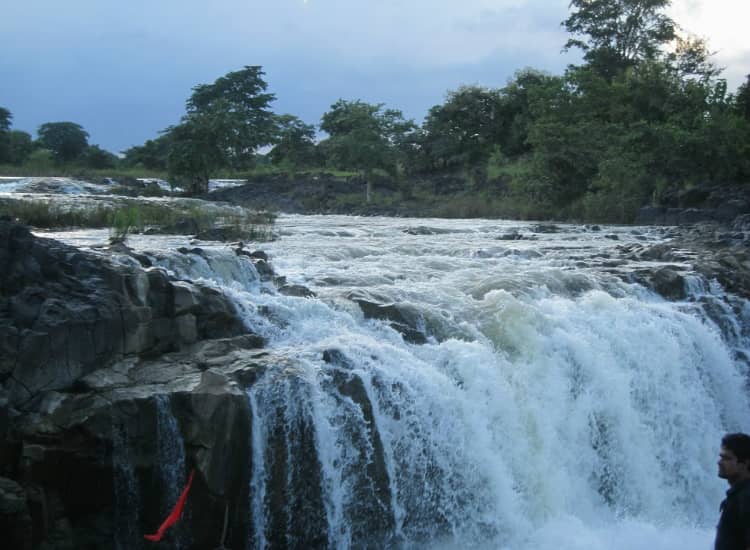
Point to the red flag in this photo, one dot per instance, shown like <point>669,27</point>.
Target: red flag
<point>174,515</point>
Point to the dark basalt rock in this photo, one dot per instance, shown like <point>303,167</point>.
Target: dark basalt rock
<point>669,284</point>
<point>296,290</point>
<point>65,313</point>
<point>400,316</point>
<point>264,269</point>
<point>512,236</point>
<point>15,519</point>
<point>82,348</point>
<point>545,228</point>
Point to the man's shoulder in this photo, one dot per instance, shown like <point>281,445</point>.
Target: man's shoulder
<point>742,494</point>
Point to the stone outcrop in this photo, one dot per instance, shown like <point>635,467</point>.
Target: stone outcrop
<point>65,313</point>
<point>715,251</point>
<point>400,316</point>
<point>94,351</point>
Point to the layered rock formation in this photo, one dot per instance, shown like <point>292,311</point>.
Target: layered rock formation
<point>92,353</point>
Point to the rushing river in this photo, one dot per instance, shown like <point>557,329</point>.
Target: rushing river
<point>551,403</point>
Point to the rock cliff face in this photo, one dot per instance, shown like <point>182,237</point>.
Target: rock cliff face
<point>93,356</point>
<point>64,313</point>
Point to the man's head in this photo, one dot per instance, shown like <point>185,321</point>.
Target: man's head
<point>734,457</point>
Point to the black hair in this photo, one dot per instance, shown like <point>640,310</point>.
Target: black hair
<point>739,444</point>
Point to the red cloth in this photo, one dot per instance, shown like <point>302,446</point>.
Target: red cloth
<point>174,514</point>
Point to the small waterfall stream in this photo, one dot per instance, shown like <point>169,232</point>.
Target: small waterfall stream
<point>170,453</point>
<point>126,491</point>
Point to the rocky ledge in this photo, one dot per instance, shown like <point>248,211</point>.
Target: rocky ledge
<point>93,355</point>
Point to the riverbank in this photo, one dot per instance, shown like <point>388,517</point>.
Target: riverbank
<point>449,196</point>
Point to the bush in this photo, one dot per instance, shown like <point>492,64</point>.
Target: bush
<point>123,221</point>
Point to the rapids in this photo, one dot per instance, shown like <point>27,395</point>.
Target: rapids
<point>556,403</point>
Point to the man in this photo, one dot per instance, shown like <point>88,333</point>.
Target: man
<point>733,531</point>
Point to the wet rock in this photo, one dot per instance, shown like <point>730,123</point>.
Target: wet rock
<point>65,313</point>
<point>15,519</point>
<point>423,230</point>
<point>265,271</point>
<point>296,290</point>
<point>545,228</point>
<point>70,450</point>
<point>669,283</point>
<point>369,522</point>
<point>742,223</point>
<point>401,317</point>
<point>255,254</point>
<point>512,236</point>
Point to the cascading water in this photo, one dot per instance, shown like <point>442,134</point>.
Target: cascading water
<point>126,493</point>
<point>170,454</point>
<point>554,403</point>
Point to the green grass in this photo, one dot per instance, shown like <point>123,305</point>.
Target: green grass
<point>46,215</point>
<point>134,217</point>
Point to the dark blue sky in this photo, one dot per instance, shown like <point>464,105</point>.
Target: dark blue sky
<point>123,70</point>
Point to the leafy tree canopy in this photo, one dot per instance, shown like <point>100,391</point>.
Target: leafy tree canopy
<point>295,142</point>
<point>66,140</point>
<point>742,99</point>
<point>20,146</point>
<point>195,151</point>
<point>616,34</point>
<point>152,155</point>
<point>463,130</point>
<point>239,106</point>
<point>364,136</point>
<point>96,157</point>
<point>5,118</point>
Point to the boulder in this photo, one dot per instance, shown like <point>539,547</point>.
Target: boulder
<point>401,317</point>
<point>669,283</point>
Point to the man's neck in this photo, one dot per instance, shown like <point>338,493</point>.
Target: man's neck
<point>738,479</point>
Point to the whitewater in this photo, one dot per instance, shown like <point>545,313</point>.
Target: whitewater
<point>553,401</point>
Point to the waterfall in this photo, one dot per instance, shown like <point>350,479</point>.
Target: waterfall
<point>170,456</point>
<point>554,402</point>
<point>126,492</point>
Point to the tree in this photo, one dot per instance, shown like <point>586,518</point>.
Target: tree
<point>463,131</point>
<point>66,140</point>
<point>618,33</point>
<point>295,143</point>
<point>5,118</point>
<point>237,103</point>
<point>742,99</point>
<point>97,158</point>
<point>20,146</point>
<point>691,59</point>
<point>152,155</point>
<point>364,136</point>
<point>195,152</point>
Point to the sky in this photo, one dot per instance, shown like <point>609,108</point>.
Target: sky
<point>123,69</point>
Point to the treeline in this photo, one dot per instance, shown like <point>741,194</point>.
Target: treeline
<point>646,113</point>
<point>57,144</point>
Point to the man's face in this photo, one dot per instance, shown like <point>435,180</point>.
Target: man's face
<point>730,468</point>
